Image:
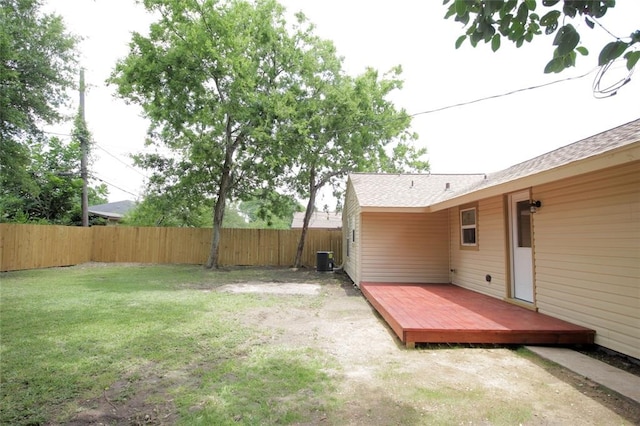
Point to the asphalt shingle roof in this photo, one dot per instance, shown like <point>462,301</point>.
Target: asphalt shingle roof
<point>408,190</point>
<point>114,210</point>
<point>423,190</point>
<point>597,144</point>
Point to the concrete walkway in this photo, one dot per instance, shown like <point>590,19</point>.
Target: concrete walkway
<point>613,378</point>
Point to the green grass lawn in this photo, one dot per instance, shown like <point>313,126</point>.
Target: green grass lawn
<point>154,339</point>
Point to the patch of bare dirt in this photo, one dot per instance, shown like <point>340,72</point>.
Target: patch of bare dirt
<point>272,288</point>
<point>138,399</point>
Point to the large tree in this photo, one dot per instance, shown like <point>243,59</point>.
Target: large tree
<point>212,77</point>
<point>520,21</point>
<point>37,67</point>
<point>343,125</point>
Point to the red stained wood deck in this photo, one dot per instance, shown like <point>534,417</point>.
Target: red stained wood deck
<point>446,313</point>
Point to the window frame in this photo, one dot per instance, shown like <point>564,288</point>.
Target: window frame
<point>462,227</point>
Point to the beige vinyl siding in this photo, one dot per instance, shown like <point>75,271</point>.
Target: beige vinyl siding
<point>351,263</point>
<point>587,254</point>
<point>472,266</point>
<point>405,247</point>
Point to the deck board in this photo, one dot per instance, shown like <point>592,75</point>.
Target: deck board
<point>446,313</point>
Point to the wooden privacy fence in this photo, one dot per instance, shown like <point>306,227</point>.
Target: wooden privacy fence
<point>42,246</point>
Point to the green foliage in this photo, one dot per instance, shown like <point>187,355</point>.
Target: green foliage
<point>38,176</point>
<point>169,209</point>
<point>343,124</point>
<point>272,210</point>
<point>517,20</point>
<point>269,210</point>
<point>50,188</point>
<point>15,178</point>
<point>37,66</point>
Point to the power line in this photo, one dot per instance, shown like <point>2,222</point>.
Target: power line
<point>56,133</point>
<point>502,94</point>
<point>104,150</point>
<point>122,162</point>
<point>431,111</point>
<point>461,104</point>
<point>112,185</point>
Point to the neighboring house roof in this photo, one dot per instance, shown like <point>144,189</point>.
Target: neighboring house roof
<point>114,211</point>
<point>612,147</point>
<point>332,220</point>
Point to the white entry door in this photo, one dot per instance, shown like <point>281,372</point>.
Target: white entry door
<point>521,254</point>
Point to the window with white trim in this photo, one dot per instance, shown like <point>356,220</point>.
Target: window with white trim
<point>468,227</point>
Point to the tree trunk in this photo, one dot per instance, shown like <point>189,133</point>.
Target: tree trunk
<point>218,216</point>
<point>220,204</point>
<point>313,189</point>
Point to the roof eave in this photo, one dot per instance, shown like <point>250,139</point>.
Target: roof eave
<point>107,215</point>
<point>614,157</point>
<point>378,209</point>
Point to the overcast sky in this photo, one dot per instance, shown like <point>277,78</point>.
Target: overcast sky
<point>481,137</point>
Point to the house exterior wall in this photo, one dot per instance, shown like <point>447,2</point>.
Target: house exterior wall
<point>586,244</point>
<point>351,235</point>
<point>404,247</point>
<point>470,265</point>
<point>587,254</point>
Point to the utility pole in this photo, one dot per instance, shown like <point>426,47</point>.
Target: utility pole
<point>83,161</point>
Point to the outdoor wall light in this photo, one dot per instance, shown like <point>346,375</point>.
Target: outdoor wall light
<point>534,206</point>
